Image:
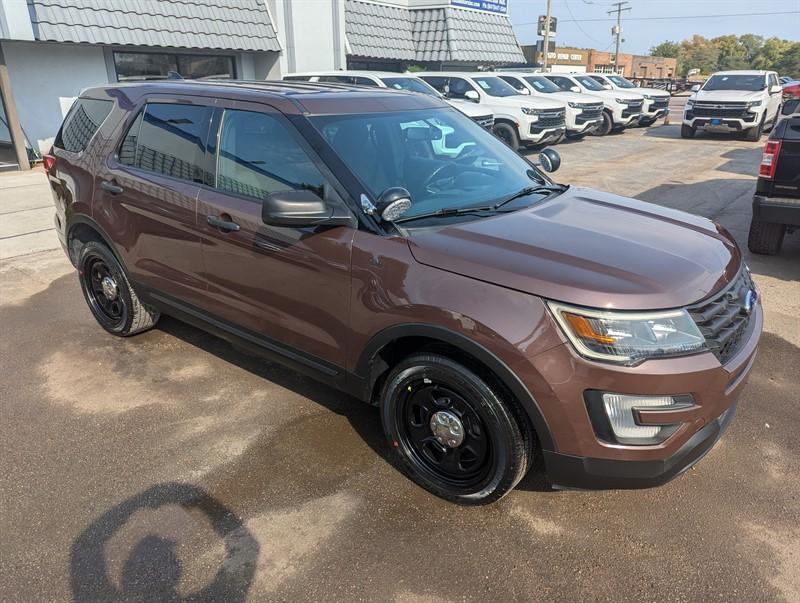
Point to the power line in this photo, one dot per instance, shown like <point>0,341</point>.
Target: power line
<point>788,12</point>
<point>569,10</point>
<point>620,7</point>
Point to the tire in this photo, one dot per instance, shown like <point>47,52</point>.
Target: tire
<point>606,127</point>
<point>109,295</point>
<point>508,134</point>
<point>754,134</point>
<point>496,448</point>
<point>774,121</point>
<point>687,131</point>
<point>765,237</point>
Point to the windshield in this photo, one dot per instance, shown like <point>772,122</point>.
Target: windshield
<point>443,158</point>
<point>588,83</point>
<point>621,81</point>
<point>753,83</point>
<point>542,84</point>
<point>411,84</point>
<point>494,86</point>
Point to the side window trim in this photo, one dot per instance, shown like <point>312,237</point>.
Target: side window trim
<point>206,103</point>
<point>307,138</point>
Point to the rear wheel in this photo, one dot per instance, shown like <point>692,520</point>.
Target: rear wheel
<point>687,131</point>
<point>454,433</point>
<point>508,134</point>
<point>754,134</point>
<point>765,237</point>
<point>606,127</point>
<point>108,293</point>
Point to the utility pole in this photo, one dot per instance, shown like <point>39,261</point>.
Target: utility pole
<point>546,47</point>
<point>620,8</point>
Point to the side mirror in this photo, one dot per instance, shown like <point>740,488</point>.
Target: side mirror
<point>472,95</point>
<point>776,89</point>
<point>393,203</point>
<point>549,160</point>
<point>607,86</point>
<point>791,106</point>
<point>301,208</point>
<point>696,87</point>
<point>524,91</point>
<point>574,89</point>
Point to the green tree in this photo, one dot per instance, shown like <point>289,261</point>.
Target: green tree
<point>789,63</point>
<point>732,54</point>
<point>771,53</point>
<point>700,53</point>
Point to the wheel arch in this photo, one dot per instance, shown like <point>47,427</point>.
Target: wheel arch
<point>394,343</point>
<point>81,230</point>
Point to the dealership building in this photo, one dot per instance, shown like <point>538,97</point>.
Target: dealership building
<point>51,49</point>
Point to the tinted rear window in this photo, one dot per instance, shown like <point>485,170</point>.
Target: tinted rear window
<point>81,123</point>
<point>168,139</point>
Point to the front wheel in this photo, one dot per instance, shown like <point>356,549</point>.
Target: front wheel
<point>606,127</point>
<point>508,134</point>
<point>754,134</point>
<point>687,131</point>
<point>453,433</point>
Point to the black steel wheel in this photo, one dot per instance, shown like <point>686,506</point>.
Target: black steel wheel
<point>108,293</point>
<point>508,134</point>
<point>451,431</point>
<point>606,127</point>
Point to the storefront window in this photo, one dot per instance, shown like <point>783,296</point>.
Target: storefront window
<point>137,66</point>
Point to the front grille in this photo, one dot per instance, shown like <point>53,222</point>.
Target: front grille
<point>637,104</point>
<point>551,119</point>
<point>659,103</point>
<point>723,319</point>
<point>484,121</point>
<point>632,110</point>
<point>589,113</point>
<point>730,110</point>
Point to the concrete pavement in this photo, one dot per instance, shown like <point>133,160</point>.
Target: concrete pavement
<point>26,214</point>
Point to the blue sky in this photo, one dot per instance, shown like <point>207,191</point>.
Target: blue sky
<point>641,35</point>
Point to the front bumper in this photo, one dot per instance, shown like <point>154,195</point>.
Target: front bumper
<point>720,124</point>
<point>580,458</point>
<point>594,474</point>
<point>543,134</point>
<point>777,210</point>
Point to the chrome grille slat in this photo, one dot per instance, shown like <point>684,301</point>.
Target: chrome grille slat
<point>721,319</point>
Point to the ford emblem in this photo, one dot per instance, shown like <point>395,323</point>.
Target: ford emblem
<point>750,299</point>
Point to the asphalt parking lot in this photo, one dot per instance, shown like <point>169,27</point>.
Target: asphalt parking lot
<point>171,464</point>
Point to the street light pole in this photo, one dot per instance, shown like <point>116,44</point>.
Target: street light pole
<point>546,47</point>
<point>620,7</point>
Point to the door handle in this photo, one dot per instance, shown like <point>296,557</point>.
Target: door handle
<point>226,225</point>
<point>114,189</point>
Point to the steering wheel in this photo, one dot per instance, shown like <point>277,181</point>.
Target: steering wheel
<point>440,173</point>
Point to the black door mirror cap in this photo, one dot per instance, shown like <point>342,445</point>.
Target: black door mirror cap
<point>300,208</point>
<point>393,203</point>
<point>549,159</point>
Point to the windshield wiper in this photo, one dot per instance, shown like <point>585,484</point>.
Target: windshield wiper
<point>447,211</point>
<point>532,190</point>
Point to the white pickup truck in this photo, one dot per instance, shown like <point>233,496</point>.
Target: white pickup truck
<point>398,81</point>
<point>656,102</point>
<point>748,102</point>
<point>584,112</point>
<point>622,109</point>
<point>518,120</point>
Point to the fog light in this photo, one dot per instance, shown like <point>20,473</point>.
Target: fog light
<point>619,409</point>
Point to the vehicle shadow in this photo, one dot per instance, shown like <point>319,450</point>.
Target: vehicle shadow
<point>673,131</point>
<point>742,161</point>
<point>363,418</point>
<point>152,571</point>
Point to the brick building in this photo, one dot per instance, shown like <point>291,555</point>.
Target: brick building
<point>588,59</point>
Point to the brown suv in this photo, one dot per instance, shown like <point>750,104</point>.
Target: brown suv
<point>384,244</point>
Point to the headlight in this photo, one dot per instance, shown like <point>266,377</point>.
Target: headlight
<point>755,103</point>
<point>689,104</point>
<point>529,111</point>
<point>622,101</point>
<point>574,105</point>
<point>648,96</point>
<point>628,337</point>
